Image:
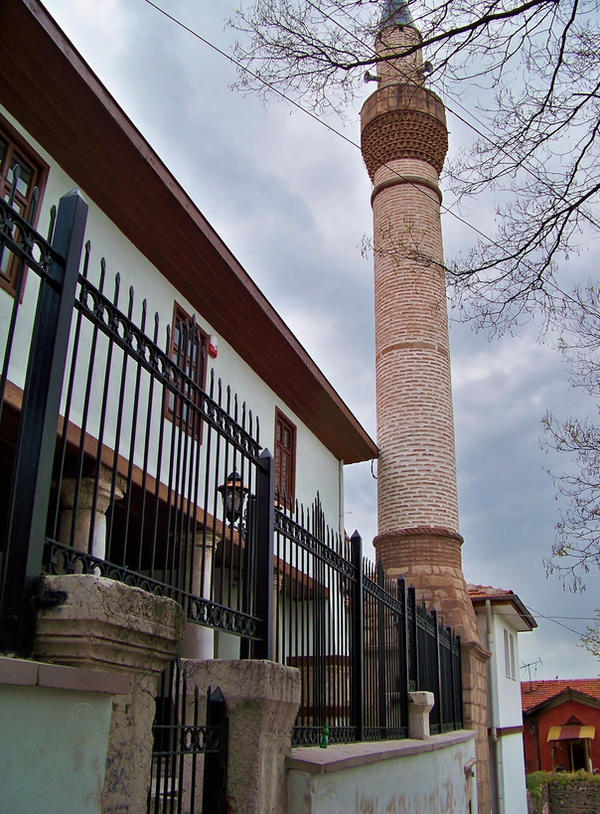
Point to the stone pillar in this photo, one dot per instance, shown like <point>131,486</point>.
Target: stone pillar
<point>199,641</point>
<point>83,510</point>
<point>107,625</point>
<point>262,699</point>
<point>420,705</point>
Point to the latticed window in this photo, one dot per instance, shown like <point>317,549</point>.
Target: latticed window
<point>15,152</point>
<point>188,351</point>
<point>285,456</point>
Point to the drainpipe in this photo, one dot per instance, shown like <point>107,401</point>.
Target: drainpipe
<point>492,706</point>
<point>341,515</point>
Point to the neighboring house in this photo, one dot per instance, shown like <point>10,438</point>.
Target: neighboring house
<point>501,616</point>
<point>561,724</point>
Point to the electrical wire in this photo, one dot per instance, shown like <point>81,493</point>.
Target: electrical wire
<point>444,208</point>
<point>313,116</point>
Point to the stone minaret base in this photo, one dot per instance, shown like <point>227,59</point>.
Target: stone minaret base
<point>430,559</point>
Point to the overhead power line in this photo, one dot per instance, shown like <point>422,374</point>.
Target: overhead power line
<point>312,115</point>
<point>550,283</point>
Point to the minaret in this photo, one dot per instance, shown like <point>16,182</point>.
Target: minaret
<point>404,142</point>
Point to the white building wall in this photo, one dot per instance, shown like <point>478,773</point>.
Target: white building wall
<point>317,470</point>
<point>509,794</point>
<point>508,688</point>
<point>513,774</point>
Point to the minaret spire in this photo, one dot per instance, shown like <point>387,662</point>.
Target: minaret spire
<point>396,12</point>
<point>404,142</point>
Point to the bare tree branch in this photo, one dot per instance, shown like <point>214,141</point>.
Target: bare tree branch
<point>534,68</point>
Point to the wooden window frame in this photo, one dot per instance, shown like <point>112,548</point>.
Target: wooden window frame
<point>16,143</point>
<point>509,655</point>
<point>279,451</point>
<point>180,316</point>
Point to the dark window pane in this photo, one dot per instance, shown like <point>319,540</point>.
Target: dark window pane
<point>25,177</point>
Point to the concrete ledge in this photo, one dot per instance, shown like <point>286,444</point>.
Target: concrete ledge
<point>340,756</point>
<point>23,673</point>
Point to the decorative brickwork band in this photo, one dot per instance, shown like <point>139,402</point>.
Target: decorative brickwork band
<point>423,531</point>
<point>403,121</point>
<point>403,548</point>
<point>404,134</point>
<point>431,346</point>
<point>413,180</point>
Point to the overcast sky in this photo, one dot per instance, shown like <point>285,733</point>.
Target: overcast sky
<point>291,200</point>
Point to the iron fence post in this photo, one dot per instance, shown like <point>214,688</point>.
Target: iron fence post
<point>36,439</point>
<point>214,791</point>
<point>263,586</point>
<point>450,674</point>
<point>458,693</point>
<point>382,676</point>
<point>414,637</point>
<point>438,669</point>
<point>404,651</point>
<point>358,652</point>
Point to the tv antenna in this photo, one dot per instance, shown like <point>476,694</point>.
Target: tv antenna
<point>531,664</point>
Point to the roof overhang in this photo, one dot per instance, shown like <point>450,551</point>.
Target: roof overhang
<point>50,89</point>
<point>511,607</point>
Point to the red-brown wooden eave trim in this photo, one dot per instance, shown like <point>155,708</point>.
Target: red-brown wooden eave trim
<point>13,398</point>
<point>49,88</point>
<point>297,585</point>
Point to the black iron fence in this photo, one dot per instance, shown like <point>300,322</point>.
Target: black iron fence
<point>189,754</point>
<point>360,640</point>
<point>128,464</point>
<point>144,461</point>
<point>31,435</point>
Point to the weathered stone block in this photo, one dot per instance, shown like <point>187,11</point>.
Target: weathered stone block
<point>262,700</point>
<point>111,626</point>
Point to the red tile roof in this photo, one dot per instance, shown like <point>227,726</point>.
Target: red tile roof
<point>536,692</point>
<point>499,596</point>
<point>486,591</point>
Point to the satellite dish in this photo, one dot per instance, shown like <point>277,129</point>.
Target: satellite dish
<point>427,68</point>
<point>368,77</point>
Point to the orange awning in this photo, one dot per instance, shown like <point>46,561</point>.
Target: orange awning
<point>571,732</point>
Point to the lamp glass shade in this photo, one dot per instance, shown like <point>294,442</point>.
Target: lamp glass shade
<point>233,493</point>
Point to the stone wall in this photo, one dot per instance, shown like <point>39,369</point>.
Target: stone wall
<point>564,797</point>
<point>578,797</point>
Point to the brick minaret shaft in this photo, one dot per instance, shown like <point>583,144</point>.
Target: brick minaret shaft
<point>404,144</point>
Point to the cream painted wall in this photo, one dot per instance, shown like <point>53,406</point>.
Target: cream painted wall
<point>428,778</point>
<point>52,750</point>
<point>317,469</point>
